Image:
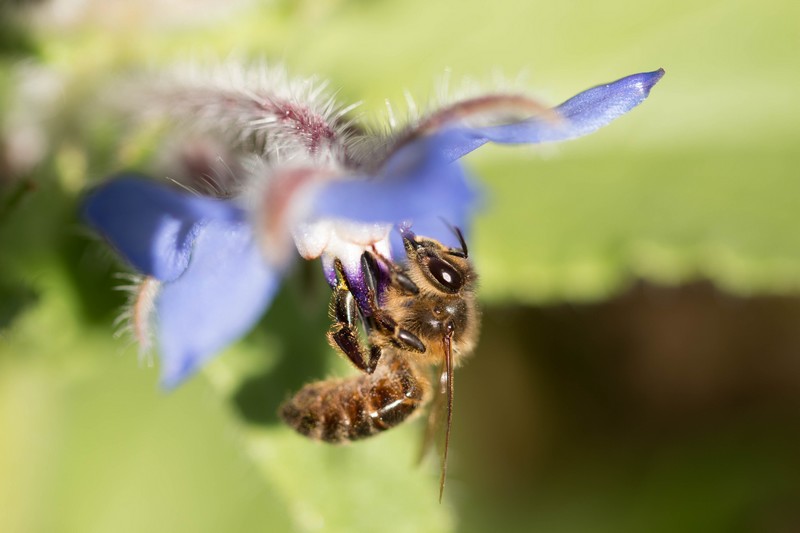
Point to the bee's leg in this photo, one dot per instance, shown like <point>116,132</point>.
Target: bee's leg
<point>344,311</point>
<point>379,321</point>
<point>397,277</point>
<point>343,335</point>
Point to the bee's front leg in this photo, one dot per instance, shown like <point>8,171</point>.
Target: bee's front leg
<point>344,334</point>
<point>378,320</point>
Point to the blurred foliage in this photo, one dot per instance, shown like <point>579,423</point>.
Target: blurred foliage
<point>595,403</point>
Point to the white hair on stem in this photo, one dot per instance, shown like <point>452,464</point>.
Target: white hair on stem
<point>255,108</point>
<point>137,317</point>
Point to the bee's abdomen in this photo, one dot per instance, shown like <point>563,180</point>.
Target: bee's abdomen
<point>340,410</point>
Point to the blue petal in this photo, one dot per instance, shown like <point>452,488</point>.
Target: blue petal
<point>418,181</point>
<point>152,226</point>
<point>580,115</point>
<point>221,295</point>
<point>422,181</point>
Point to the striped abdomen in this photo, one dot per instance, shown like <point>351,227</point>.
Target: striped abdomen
<point>340,410</point>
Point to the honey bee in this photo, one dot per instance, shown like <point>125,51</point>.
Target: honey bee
<point>420,315</point>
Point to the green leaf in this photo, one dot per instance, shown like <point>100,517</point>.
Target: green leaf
<point>583,227</point>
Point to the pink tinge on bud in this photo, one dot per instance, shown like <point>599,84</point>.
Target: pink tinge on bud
<point>285,203</point>
<point>285,221</point>
<point>136,319</point>
<point>482,111</point>
<point>492,108</point>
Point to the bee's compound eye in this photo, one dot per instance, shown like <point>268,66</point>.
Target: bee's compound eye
<point>445,274</point>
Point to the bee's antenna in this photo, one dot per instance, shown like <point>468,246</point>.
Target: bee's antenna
<point>462,242</point>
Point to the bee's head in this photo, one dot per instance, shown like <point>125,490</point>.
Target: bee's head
<point>446,269</point>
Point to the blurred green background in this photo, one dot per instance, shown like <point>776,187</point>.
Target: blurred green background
<point>639,368</point>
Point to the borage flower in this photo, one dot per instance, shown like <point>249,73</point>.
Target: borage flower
<point>216,263</point>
